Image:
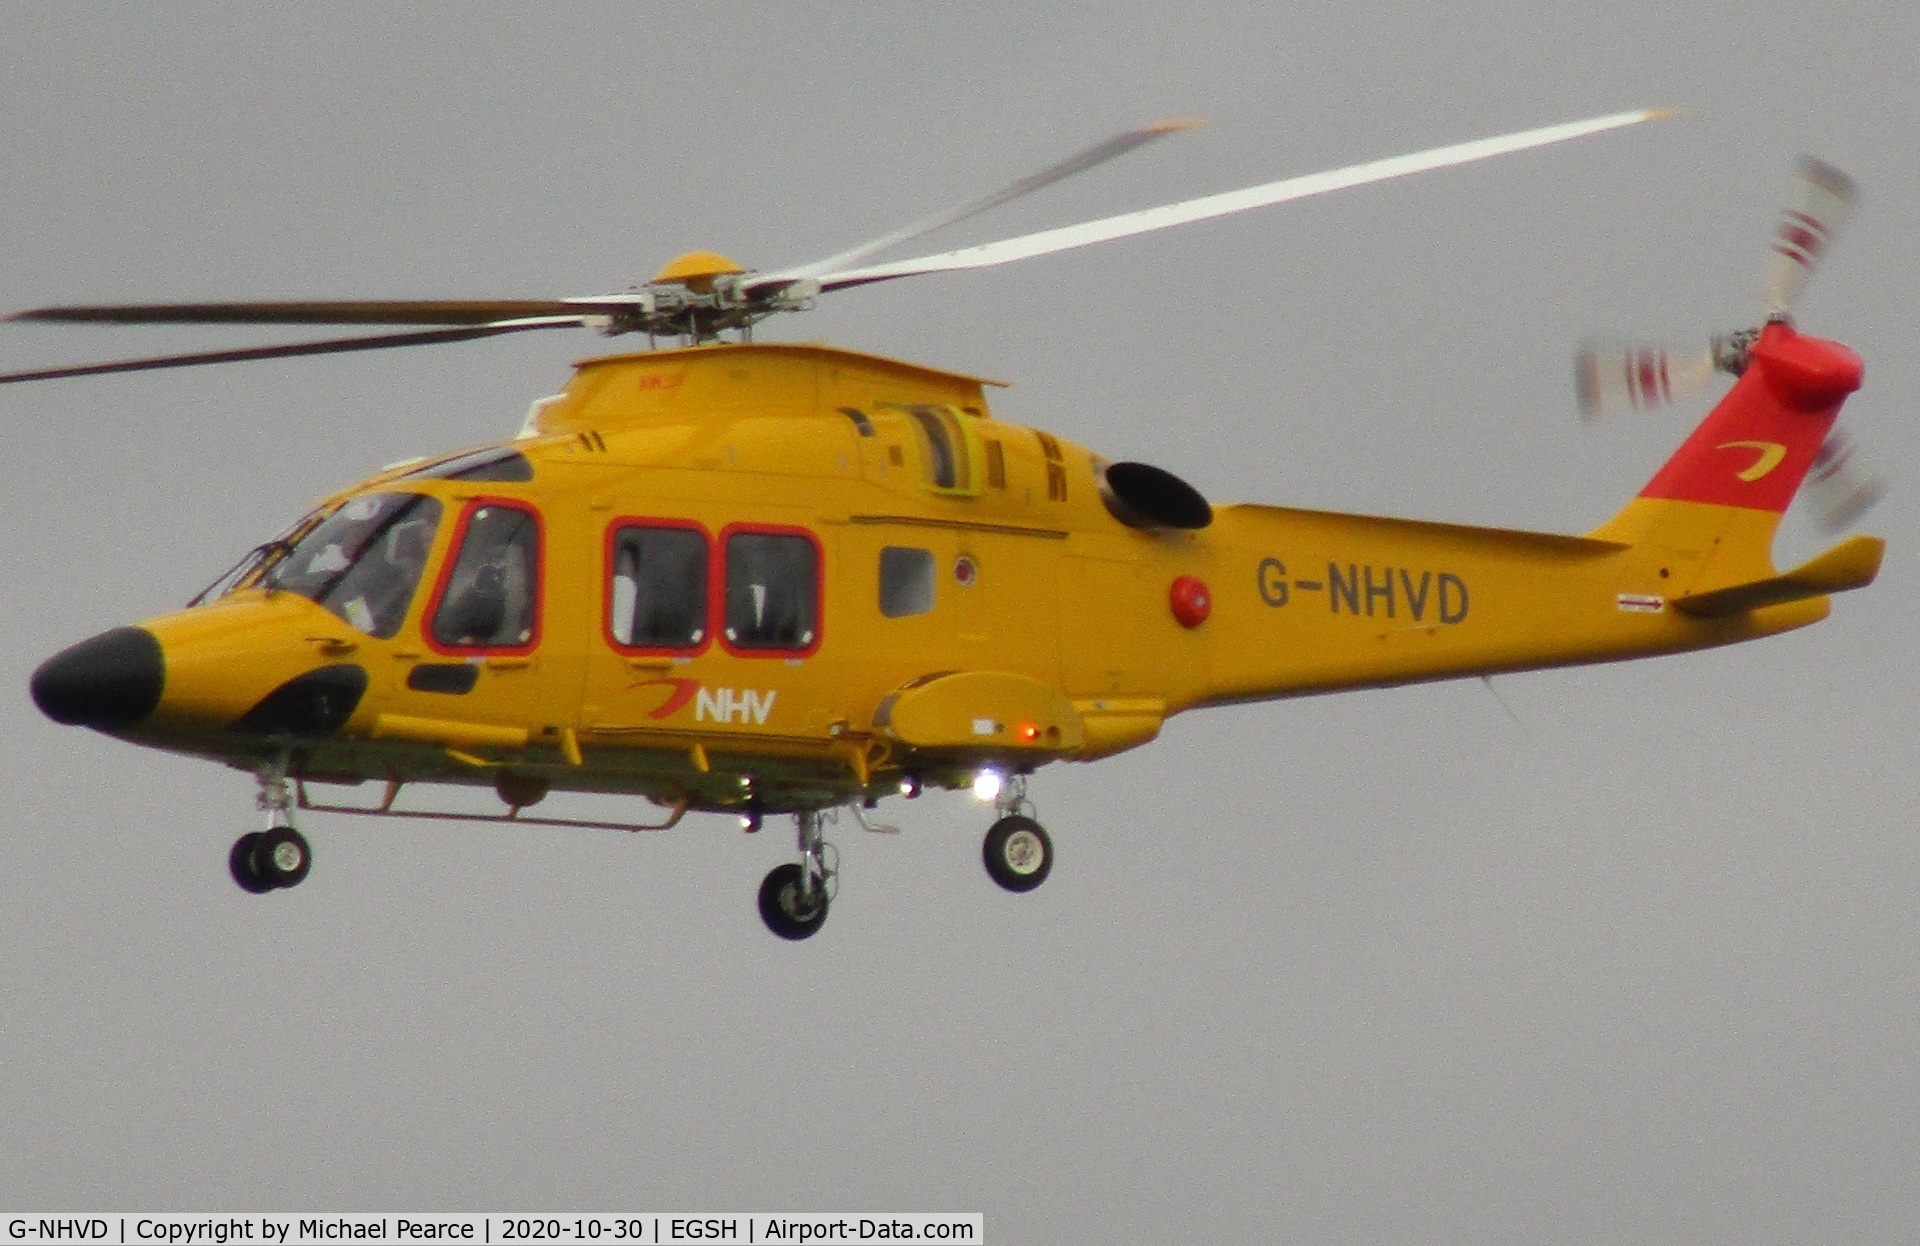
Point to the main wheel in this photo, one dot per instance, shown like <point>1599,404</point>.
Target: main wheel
<point>282,857</point>
<point>240,863</point>
<point>783,904</point>
<point>1018,853</point>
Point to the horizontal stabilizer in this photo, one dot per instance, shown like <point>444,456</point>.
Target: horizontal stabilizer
<point>1851,564</point>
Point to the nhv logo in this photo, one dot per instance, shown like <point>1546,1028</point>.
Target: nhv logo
<point>726,706</point>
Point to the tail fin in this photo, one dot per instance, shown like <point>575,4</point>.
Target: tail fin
<point>1710,514</point>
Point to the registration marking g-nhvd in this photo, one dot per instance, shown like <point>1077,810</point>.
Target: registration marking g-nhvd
<point>1363,589</point>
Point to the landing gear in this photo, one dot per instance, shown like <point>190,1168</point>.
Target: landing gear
<point>785,905</point>
<point>282,857</point>
<point>279,856</point>
<point>794,897</point>
<point>1017,852</point>
<point>264,860</point>
<point>240,864</point>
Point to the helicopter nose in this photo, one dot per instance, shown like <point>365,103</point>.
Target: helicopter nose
<point>110,682</point>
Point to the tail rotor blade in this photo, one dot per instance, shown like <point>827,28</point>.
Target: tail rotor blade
<point>1821,203</point>
<point>1610,378</point>
<point>1840,486</point>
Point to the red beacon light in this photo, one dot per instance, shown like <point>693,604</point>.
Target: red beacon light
<point>1190,601</point>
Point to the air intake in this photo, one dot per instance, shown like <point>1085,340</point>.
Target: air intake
<point>1152,499</point>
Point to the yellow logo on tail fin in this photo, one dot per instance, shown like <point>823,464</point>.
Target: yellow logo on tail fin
<point>1771,453</point>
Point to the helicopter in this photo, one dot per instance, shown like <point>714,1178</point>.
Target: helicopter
<point>767,579</point>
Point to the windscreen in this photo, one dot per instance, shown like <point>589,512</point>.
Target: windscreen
<point>364,561</point>
<point>250,564</point>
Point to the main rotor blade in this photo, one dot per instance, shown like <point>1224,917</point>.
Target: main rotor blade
<point>1109,228</point>
<point>1821,203</point>
<point>330,347</point>
<point>403,311</point>
<point>1080,162</point>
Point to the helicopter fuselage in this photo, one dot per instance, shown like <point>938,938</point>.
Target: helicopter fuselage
<point>790,577</point>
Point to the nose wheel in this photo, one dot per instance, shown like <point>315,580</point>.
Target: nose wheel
<point>794,896</point>
<point>263,861</point>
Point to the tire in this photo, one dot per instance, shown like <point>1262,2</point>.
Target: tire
<point>240,865</point>
<point>282,857</point>
<point>1018,854</point>
<point>780,905</point>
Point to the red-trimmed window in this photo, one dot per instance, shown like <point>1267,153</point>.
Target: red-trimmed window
<point>771,595</point>
<point>488,598</point>
<point>657,586</point>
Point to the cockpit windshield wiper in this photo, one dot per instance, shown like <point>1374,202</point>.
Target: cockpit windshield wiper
<point>253,560</point>
<point>257,561</point>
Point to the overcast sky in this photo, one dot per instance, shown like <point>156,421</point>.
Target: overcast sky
<point>1382,967</point>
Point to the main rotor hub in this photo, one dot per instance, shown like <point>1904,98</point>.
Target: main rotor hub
<point>699,295</point>
<point>696,270</point>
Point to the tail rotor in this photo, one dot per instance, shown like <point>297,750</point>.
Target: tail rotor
<point>1612,377</point>
<point>1821,204</point>
<point>1840,487</point>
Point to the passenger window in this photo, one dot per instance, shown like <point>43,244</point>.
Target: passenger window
<point>773,591</point>
<point>906,581</point>
<point>658,598</point>
<point>489,598</point>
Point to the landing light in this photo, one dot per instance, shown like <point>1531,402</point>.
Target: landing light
<point>986,786</point>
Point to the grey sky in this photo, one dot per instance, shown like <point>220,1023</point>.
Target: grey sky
<point>1381,967</point>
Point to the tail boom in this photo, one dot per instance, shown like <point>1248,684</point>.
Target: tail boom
<point>1315,602</point>
<point>1308,602</point>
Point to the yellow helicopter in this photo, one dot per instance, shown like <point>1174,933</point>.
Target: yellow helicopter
<point>767,579</point>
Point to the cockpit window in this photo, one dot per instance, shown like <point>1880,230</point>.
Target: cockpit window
<point>364,561</point>
<point>490,597</point>
<point>492,463</point>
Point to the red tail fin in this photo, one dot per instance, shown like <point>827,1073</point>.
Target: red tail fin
<point>1754,449</point>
